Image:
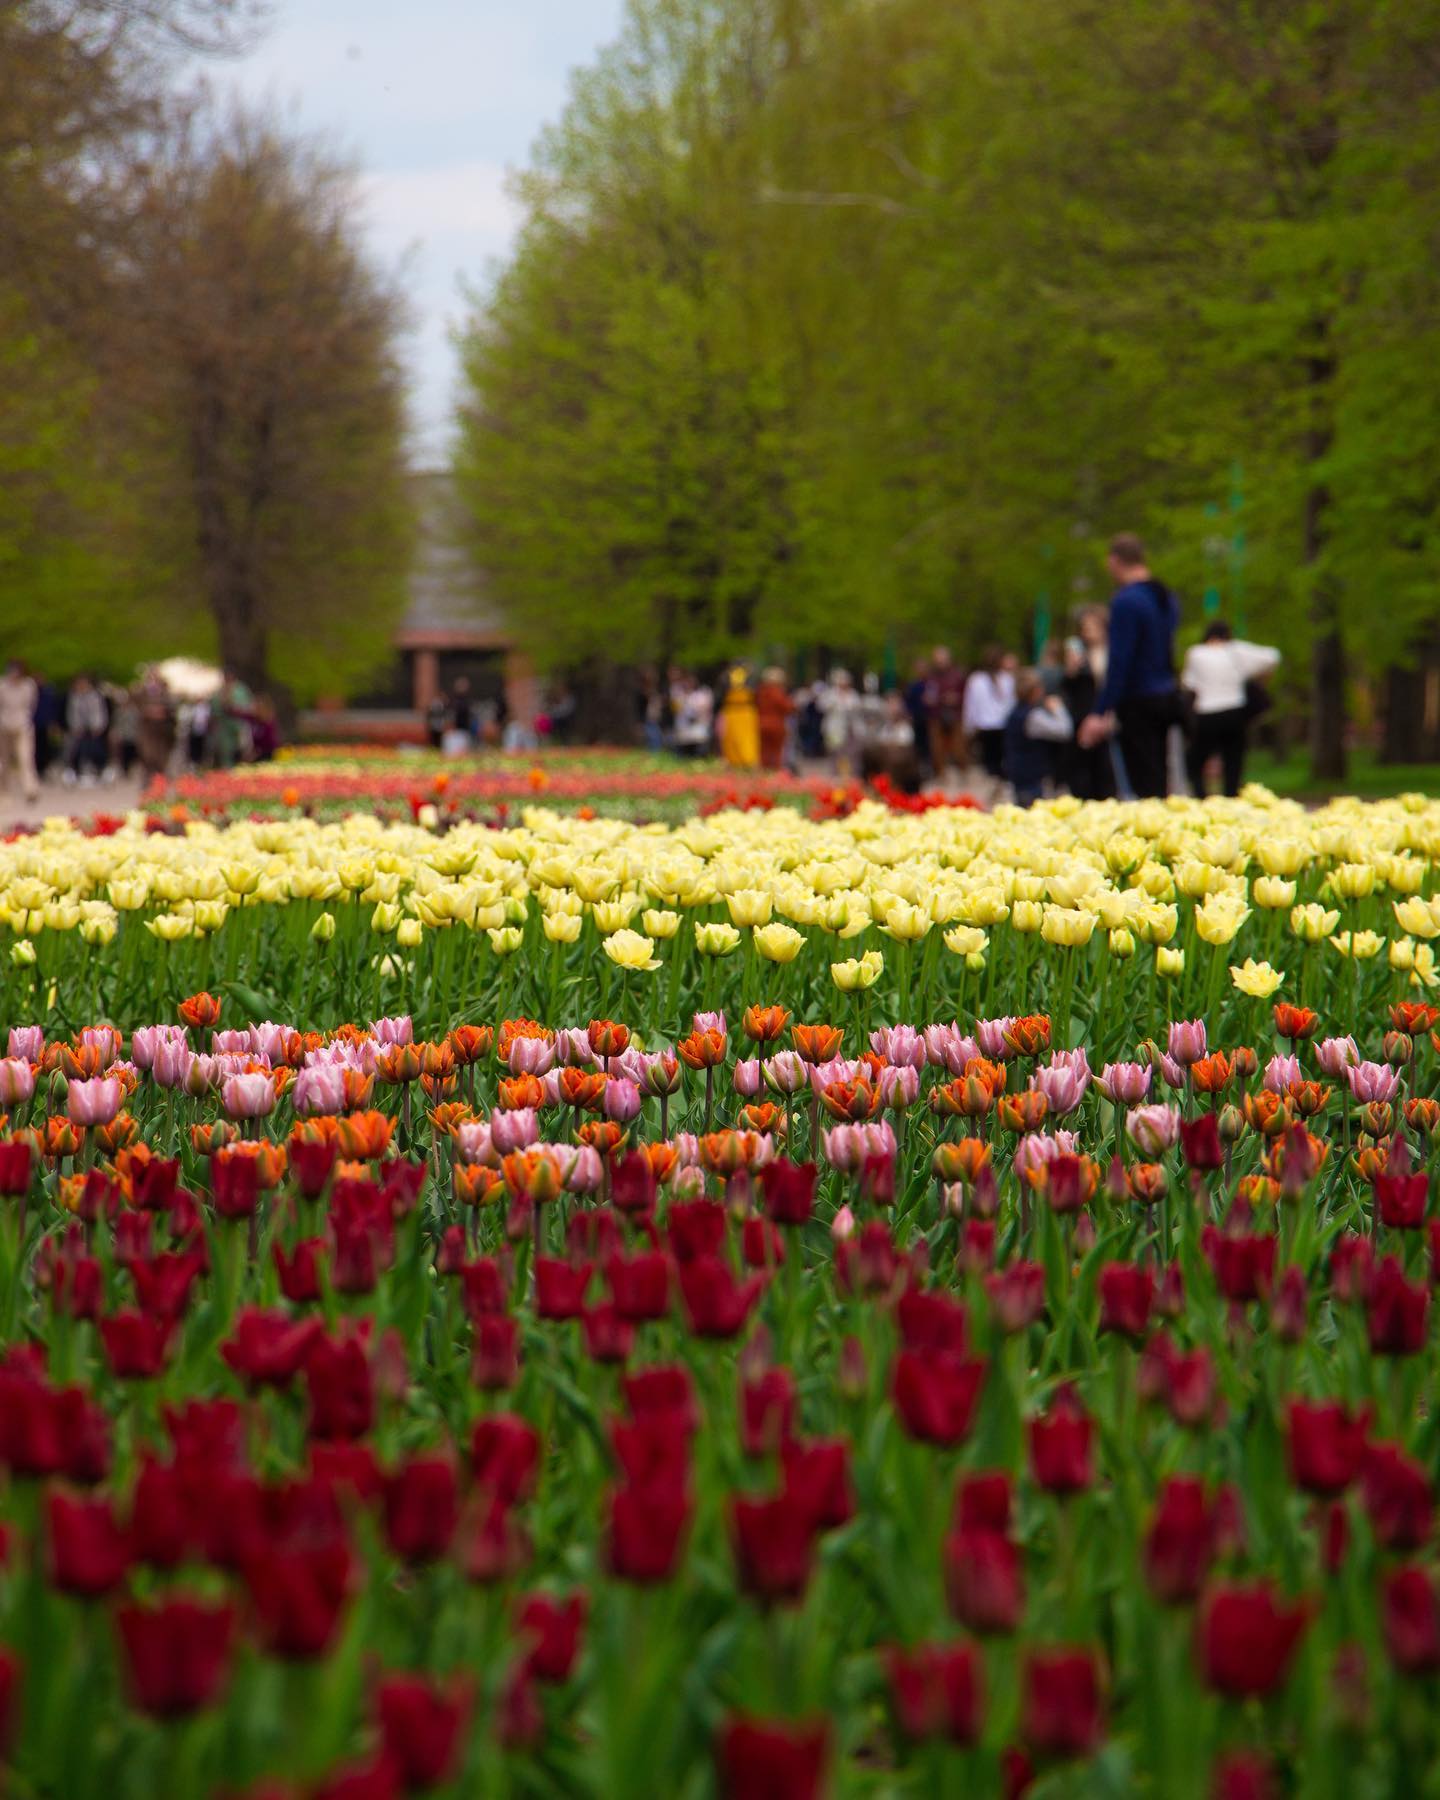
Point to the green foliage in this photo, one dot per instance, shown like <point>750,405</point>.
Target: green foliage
<point>833,322</point>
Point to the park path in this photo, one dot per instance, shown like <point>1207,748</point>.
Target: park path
<point>57,801</point>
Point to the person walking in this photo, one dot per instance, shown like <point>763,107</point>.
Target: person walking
<point>774,706</point>
<point>989,701</point>
<point>19,695</point>
<point>739,727</point>
<point>1140,698</point>
<point>944,706</point>
<point>1089,774</point>
<point>87,723</point>
<point>1217,674</point>
<point>155,737</point>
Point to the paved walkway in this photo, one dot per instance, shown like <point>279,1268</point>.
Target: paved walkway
<point>77,802</point>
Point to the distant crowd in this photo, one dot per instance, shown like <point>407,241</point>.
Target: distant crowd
<point>91,732</point>
<point>1104,711</point>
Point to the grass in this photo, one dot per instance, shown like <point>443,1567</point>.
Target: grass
<point>1368,777</point>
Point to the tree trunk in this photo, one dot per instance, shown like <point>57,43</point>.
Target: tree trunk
<point>244,642</point>
<point>1328,761</point>
<point>1402,740</point>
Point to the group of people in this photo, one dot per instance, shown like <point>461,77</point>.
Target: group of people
<point>94,731</point>
<point>1104,711</point>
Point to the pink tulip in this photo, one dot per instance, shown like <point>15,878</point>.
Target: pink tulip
<point>747,1078</point>
<point>842,1226</point>
<point>1154,1128</point>
<point>687,1149</point>
<point>785,1073</point>
<point>94,1102</point>
<point>26,1042</point>
<point>319,1089</point>
<point>1187,1041</point>
<point>105,1037</point>
<point>632,1064</point>
<point>397,1030</point>
<point>1281,1074</point>
<point>712,1021</point>
<point>572,1047</point>
<point>1373,1081</point>
<point>249,1096</point>
<point>531,1056</point>
<point>937,1039</point>
<point>474,1143</point>
<point>201,1074</point>
<point>268,1040</point>
<point>1037,1148</point>
<point>510,1131</point>
<point>899,1045</point>
<point>231,1043</point>
<point>688,1183</point>
<point>623,1100</point>
<point>147,1041</point>
<point>899,1086</point>
<point>1335,1055</point>
<point>849,1147</point>
<point>172,1059</point>
<point>1124,1083</point>
<point>990,1036</point>
<point>1061,1087</point>
<point>586,1172</point>
<point>17,1081</point>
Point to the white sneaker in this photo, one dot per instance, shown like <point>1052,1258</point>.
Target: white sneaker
<point>68,778</point>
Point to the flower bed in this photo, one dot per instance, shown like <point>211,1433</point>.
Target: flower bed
<point>934,1305</point>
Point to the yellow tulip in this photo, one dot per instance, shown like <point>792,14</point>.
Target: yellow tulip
<point>660,924</point>
<point>630,950</point>
<point>22,954</point>
<point>323,930</point>
<point>98,932</point>
<point>858,972</point>
<point>1027,916</point>
<point>779,943</point>
<point>1258,979</point>
<point>1361,945</point>
<point>408,934</point>
<point>1067,926</point>
<point>750,906</point>
<point>1219,918</point>
<point>1312,923</point>
<point>1169,962</point>
<point>716,940</point>
<point>560,927</point>
<point>1273,893</point>
<point>170,927</point>
<point>505,940</point>
<point>966,940</point>
<point>1122,943</point>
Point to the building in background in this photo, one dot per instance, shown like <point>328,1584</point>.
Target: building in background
<point>451,629</point>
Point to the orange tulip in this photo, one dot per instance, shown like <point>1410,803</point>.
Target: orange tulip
<point>702,1050</point>
<point>517,1092</point>
<point>763,1024</point>
<point>199,1011</point>
<point>471,1043</point>
<point>607,1038</point>
<point>364,1136</point>
<point>816,1043</point>
<point>583,1088</point>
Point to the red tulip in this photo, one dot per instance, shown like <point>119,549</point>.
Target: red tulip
<point>298,1594</point>
<point>632,1183</point>
<point>341,1388</point>
<point>86,1551</point>
<point>374,1780</point>
<point>984,1502</point>
<point>10,1679</point>
<point>495,1366</point>
<point>552,1629</point>
<point>1351,1261</point>
<point>1397,1311</point>
<point>936,1394</point>
<point>560,1287</point>
<point>136,1345</point>
<point>1326,1444</point>
<point>299,1270</point>
<point>176,1654</point>
<point>1180,1542</point>
<point>867,1264</point>
<point>1200,1141</point>
<point>789,1191</point>
<point>774,1546</point>
<point>1243,1262</point>
<point>816,1480</point>
<point>639,1284</point>
<point>770,1760</point>
<point>505,1457</point>
<point>695,1228</point>
<point>14,1167</point>
<point>313,1161</point>
<point>1247,1639</point>
<point>269,1348</point>
<point>1400,1200</point>
<point>1062,1445</point>
<point>937,1690</point>
<point>608,1337</point>
<point>422,1729</point>
<point>716,1304</point>
<point>1017,1295</point>
<point>422,1508</point>
<point>645,1531</point>
<point>1243,1775</point>
<point>1398,1497</point>
<point>1410,1618</point>
<point>234,1184</point>
<point>767,1412</point>
<point>1061,1709</point>
<point>932,1321</point>
<point>984,1579</point>
<point>1127,1291</point>
<point>485,1288</point>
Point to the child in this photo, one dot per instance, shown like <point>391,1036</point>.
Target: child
<point>1038,721</point>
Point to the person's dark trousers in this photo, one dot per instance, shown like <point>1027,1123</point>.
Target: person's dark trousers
<point>1144,730</point>
<point>1219,734</point>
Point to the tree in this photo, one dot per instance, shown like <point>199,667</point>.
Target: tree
<point>255,359</point>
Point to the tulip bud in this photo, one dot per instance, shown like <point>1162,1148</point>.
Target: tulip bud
<point>324,928</point>
<point>1232,1124</point>
<point>408,934</point>
<point>1399,1048</point>
<point>22,954</point>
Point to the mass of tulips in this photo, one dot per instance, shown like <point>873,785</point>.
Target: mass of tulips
<point>899,1305</point>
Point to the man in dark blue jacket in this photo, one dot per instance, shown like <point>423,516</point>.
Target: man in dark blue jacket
<point>1140,698</point>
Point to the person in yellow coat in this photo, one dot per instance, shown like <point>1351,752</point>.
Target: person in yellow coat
<point>739,723</point>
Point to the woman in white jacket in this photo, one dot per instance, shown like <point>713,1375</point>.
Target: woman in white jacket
<point>1215,675</point>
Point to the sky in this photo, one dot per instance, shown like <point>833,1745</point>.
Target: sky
<point>435,100</point>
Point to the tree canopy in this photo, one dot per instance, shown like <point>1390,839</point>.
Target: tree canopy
<point>843,324</point>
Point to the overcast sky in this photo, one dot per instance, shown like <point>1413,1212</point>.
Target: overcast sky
<point>437,99</point>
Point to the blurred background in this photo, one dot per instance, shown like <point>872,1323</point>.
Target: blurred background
<point>359,351</point>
